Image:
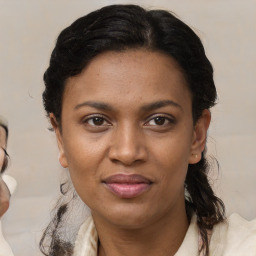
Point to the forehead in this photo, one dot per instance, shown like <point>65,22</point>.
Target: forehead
<point>128,76</point>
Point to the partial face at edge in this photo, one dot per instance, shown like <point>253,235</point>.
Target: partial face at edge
<point>4,191</point>
<point>2,145</point>
<point>130,113</point>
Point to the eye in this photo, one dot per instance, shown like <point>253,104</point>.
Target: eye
<point>160,121</point>
<point>96,121</point>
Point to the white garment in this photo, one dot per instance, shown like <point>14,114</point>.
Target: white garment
<point>5,249</point>
<point>234,237</point>
<point>10,182</point>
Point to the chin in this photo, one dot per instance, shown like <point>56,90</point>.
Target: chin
<point>128,216</point>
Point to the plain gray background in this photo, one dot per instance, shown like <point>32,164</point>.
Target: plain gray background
<point>28,32</point>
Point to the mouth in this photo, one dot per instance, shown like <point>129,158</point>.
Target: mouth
<point>127,186</point>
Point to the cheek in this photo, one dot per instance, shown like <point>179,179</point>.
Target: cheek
<point>84,156</point>
<point>172,151</point>
<point>171,159</point>
<point>83,150</point>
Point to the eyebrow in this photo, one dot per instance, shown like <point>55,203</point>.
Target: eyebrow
<point>94,104</point>
<point>146,107</point>
<point>160,104</point>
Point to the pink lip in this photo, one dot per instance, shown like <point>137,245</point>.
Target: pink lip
<point>127,186</point>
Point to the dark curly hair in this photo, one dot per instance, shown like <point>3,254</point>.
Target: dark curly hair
<point>122,27</point>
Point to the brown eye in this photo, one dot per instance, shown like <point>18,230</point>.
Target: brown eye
<point>160,120</point>
<point>96,121</point>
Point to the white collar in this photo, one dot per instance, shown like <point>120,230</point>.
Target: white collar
<point>87,240</point>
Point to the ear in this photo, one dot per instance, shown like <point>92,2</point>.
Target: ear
<point>199,137</point>
<point>56,126</point>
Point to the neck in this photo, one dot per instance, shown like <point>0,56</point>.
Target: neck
<point>161,238</point>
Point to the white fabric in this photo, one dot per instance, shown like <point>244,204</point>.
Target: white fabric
<point>5,249</point>
<point>234,237</point>
<point>10,182</point>
<point>87,239</point>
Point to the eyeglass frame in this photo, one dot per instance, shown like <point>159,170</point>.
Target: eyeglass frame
<point>5,163</point>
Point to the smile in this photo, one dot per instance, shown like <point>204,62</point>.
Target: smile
<point>127,186</point>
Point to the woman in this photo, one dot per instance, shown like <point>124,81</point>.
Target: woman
<point>128,93</point>
<point>7,186</point>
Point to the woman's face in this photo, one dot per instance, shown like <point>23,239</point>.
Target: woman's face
<point>128,136</point>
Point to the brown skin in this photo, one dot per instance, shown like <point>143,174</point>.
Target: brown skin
<point>129,140</point>
<point>4,191</point>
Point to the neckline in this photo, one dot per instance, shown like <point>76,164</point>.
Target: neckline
<point>87,240</point>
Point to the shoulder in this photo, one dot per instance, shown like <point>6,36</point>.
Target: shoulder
<point>235,236</point>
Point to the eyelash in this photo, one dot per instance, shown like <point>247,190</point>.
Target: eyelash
<point>93,117</point>
<point>103,119</point>
<point>167,119</point>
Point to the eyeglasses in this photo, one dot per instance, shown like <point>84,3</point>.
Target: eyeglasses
<point>5,152</point>
<point>5,163</point>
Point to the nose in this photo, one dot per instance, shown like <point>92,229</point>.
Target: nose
<point>128,146</point>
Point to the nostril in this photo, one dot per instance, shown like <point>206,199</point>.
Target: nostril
<point>127,146</point>
<point>126,157</point>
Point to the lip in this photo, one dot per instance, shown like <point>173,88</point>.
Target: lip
<point>127,186</point>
